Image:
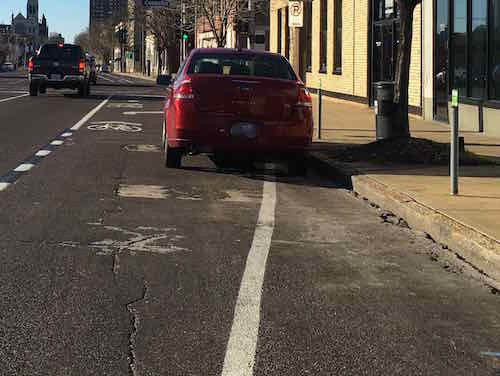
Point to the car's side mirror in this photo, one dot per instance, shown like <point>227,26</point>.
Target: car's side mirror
<point>164,79</point>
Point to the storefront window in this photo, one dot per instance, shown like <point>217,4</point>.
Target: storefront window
<point>478,49</point>
<point>280,20</point>
<point>459,47</point>
<point>323,36</point>
<point>337,51</point>
<point>385,9</point>
<point>495,50</point>
<point>308,23</point>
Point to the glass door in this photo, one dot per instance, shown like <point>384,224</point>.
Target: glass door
<point>441,61</point>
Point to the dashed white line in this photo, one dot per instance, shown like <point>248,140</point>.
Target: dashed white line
<point>42,153</point>
<point>3,186</point>
<point>12,98</point>
<point>67,134</point>
<point>24,167</point>
<point>90,114</point>
<point>57,142</point>
<point>240,353</point>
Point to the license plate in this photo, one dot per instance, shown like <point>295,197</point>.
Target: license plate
<point>56,77</point>
<point>247,130</point>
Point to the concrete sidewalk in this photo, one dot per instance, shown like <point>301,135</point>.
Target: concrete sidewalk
<point>468,223</point>
<point>137,75</point>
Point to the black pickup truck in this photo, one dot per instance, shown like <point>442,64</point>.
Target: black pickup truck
<point>59,66</point>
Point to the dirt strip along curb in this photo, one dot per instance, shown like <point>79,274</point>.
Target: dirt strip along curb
<point>477,248</point>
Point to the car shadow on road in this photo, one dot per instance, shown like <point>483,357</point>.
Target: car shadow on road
<point>311,179</point>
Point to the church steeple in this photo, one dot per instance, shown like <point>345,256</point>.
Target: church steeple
<point>32,10</point>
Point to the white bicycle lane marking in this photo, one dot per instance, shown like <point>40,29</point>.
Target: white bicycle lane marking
<point>242,344</point>
<point>115,126</point>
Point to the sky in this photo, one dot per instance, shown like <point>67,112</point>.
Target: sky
<point>67,17</point>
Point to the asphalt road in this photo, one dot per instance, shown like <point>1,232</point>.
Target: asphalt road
<point>113,265</point>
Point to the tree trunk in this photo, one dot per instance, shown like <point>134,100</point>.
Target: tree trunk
<point>402,80</point>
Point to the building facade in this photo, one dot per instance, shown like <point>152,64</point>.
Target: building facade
<point>30,25</point>
<point>345,46</point>
<point>104,11</point>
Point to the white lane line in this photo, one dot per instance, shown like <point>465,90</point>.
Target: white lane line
<point>105,78</point>
<point>90,114</point>
<point>57,142</point>
<point>24,167</point>
<point>42,153</point>
<point>240,353</point>
<point>3,186</point>
<point>127,81</point>
<point>14,91</point>
<point>67,134</point>
<point>12,98</point>
<point>143,112</point>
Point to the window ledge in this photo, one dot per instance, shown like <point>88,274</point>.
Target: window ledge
<point>322,71</point>
<point>495,104</point>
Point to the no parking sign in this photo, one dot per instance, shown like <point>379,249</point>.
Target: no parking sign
<point>296,13</point>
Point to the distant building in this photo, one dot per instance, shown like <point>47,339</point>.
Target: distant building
<point>103,11</point>
<point>30,25</point>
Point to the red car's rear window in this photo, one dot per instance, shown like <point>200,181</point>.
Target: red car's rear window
<point>242,65</point>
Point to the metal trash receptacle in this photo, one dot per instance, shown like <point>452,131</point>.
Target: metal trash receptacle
<point>384,109</point>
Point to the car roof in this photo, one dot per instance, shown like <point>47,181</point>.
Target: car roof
<point>229,51</point>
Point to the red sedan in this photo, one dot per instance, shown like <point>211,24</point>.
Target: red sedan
<point>237,102</point>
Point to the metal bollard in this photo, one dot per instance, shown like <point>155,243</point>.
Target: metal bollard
<point>455,152</point>
<point>320,95</point>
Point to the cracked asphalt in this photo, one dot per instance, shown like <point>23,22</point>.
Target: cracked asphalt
<point>111,264</point>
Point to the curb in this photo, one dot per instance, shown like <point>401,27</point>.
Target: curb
<point>477,248</point>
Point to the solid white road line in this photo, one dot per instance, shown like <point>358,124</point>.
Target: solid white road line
<point>90,114</point>
<point>12,98</point>
<point>240,353</point>
<point>13,91</point>
<point>42,153</point>
<point>143,112</point>
<point>3,186</point>
<point>24,167</point>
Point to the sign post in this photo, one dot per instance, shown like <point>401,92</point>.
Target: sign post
<point>455,153</point>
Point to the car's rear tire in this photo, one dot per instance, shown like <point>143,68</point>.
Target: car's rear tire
<point>297,165</point>
<point>172,157</point>
<point>87,93</point>
<point>43,90</point>
<point>33,89</point>
<point>81,89</point>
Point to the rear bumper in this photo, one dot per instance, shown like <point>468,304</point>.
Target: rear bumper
<point>68,81</point>
<point>273,140</point>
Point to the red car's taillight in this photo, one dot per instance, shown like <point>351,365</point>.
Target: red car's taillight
<point>81,66</point>
<point>184,91</point>
<point>30,65</point>
<point>304,99</point>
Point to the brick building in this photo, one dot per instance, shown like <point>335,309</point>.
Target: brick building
<point>347,45</point>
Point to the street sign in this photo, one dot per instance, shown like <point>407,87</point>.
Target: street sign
<point>296,14</point>
<point>155,3</point>
<point>454,98</point>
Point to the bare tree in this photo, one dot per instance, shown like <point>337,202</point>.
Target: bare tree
<point>83,40</point>
<point>220,15</point>
<point>407,8</point>
<point>101,40</point>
